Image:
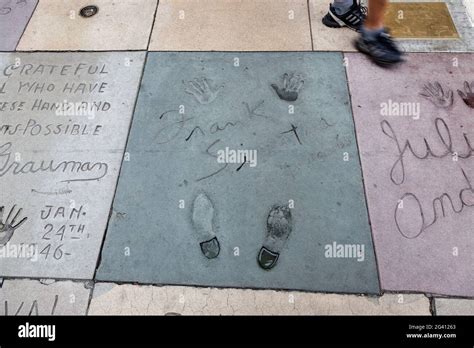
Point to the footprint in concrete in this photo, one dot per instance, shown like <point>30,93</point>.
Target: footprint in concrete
<point>203,216</point>
<point>290,88</point>
<point>279,226</point>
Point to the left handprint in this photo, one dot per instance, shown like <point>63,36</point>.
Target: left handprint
<point>8,227</point>
<point>202,90</point>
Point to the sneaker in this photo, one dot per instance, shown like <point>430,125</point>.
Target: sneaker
<point>352,19</point>
<point>381,49</point>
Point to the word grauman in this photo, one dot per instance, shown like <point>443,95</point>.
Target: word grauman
<point>397,172</point>
<point>8,165</point>
<point>438,204</point>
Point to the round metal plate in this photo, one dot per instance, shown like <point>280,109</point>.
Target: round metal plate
<point>89,11</point>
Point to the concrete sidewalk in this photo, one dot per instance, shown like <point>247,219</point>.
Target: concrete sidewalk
<point>233,157</point>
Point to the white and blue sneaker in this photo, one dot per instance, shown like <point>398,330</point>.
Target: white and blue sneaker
<point>380,48</point>
<point>353,18</point>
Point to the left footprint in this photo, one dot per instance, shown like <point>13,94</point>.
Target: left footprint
<point>203,216</point>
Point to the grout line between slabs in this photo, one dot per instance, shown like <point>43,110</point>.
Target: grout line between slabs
<point>310,25</point>
<point>364,189</point>
<point>26,26</point>
<point>99,258</point>
<point>153,25</point>
<point>91,296</point>
<point>224,51</point>
<point>432,306</point>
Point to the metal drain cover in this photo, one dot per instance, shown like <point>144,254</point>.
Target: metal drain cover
<point>89,11</point>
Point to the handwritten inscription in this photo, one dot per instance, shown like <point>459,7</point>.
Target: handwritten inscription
<point>31,307</point>
<point>443,134</point>
<point>63,117</point>
<point>411,218</point>
<point>34,128</point>
<point>7,6</point>
<point>36,70</point>
<point>8,165</point>
<point>60,225</point>
<point>176,126</point>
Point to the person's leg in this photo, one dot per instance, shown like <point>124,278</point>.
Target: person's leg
<point>374,39</point>
<point>342,6</point>
<point>374,23</point>
<point>377,9</point>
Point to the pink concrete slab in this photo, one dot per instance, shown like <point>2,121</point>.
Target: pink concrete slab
<point>421,206</point>
<point>14,16</point>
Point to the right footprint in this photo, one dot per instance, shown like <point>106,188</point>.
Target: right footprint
<point>279,226</point>
<point>203,216</point>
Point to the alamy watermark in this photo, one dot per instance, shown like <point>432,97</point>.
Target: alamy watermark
<point>345,251</point>
<point>89,110</point>
<point>404,109</point>
<point>237,156</point>
<point>28,330</point>
<point>19,251</point>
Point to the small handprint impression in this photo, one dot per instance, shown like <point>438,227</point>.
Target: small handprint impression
<point>439,97</point>
<point>290,88</point>
<point>468,94</point>
<point>8,227</point>
<point>202,90</point>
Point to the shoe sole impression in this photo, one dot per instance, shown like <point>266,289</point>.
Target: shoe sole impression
<point>279,227</point>
<point>202,220</point>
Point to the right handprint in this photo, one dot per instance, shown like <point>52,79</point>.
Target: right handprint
<point>8,227</point>
<point>290,87</point>
<point>468,94</point>
<point>434,92</point>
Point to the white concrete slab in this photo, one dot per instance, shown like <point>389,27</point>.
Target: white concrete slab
<point>61,168</point>
<point>119,25</point>
<point>453,306</point>
<point>113,299</point>
<point>325,38</point>
<point>45,297</point>
<point>231,25</point>
<point>469,4</point>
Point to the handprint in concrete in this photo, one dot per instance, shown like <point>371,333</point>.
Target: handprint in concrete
<point>468,94</point>
<point>434,92</point>
<point>9,226</point>
<point>290,87</point>
<point>203,90</point>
